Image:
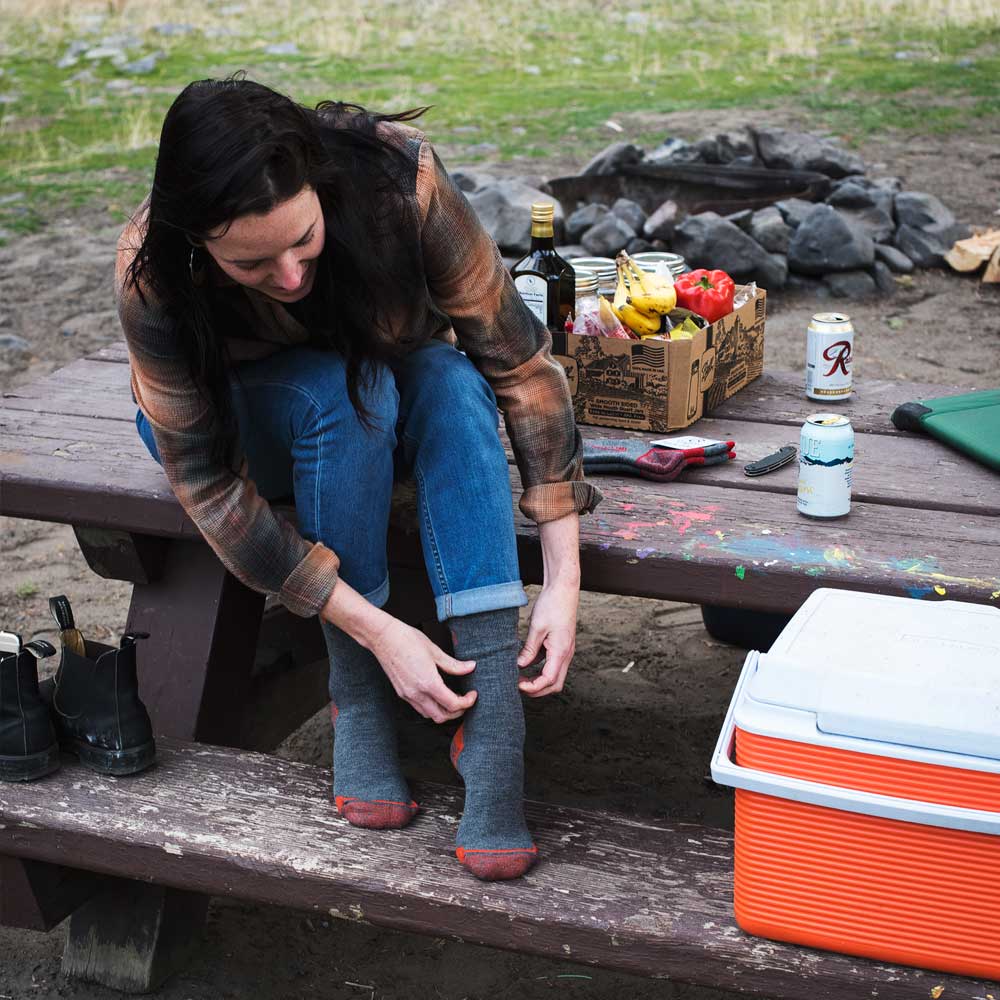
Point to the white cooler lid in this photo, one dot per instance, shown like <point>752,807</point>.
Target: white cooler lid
<point>910,673</point>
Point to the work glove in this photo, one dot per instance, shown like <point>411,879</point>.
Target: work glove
<point>634,457</point>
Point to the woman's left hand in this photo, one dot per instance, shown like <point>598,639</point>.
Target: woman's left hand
<point>552,634</point>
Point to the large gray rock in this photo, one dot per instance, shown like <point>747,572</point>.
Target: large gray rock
<point>851,285</point>
<point>794,210</point>
<point>876,222</point>
<point>884,280</point>
<point>660,225</point>
<point>669,150</point>
<point>638,245</point>
<point>922,211</point>
<point>890,184</point>
<point>583,219</point>
<point>828,241</point>
<point>781,148</point>
<point>772,272</point>
<point>736,144</point>
<point>895,259</point>
<point>612,158</point>
<point>630,212</point>
<point>856,193</point>
<point>609,236</point>
<point>743,218</point>
<point>770,230</point>
<point>708,240</point>
<point>801,284</point>
<point>505,212</point>
<point>923,247</point>
<point>472,180</point>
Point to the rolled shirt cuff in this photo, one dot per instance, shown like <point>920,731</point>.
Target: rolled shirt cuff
<point>550,501</point>
<point>308,587</point>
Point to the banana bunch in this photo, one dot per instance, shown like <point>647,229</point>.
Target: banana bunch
<point>641,299</point>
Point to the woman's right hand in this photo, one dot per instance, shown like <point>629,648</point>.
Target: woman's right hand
<point>412,663</point>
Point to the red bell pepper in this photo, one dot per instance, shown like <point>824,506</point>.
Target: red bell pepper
<point>707,293</point>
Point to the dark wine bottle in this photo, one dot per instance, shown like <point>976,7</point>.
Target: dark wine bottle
<point>544,280</point>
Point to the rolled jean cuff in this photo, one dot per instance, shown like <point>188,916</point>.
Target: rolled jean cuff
<point>471,602</point>
<point>379,595</point>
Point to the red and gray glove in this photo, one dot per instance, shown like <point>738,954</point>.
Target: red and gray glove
<point>633,457</point>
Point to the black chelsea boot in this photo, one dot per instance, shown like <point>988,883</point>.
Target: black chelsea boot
<point>28,745</point>
<point>95,700</point>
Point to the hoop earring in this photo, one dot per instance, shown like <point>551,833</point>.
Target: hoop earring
<point>197,277</point>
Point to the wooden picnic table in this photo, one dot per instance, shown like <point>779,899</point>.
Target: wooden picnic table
<point>924,522</point>
<point>226,670</point>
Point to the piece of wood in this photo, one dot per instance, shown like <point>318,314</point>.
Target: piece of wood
<point>194,670</point>
<point>780,398</point>
<point>121,555</point>
<point>991,275</point>
<point>900,470</point>
<point>133,936</point>
<point>644,897</point>
<point>890,467</point>
<point>967,255</point>
<point>36,896</point>
<point>86,388</point>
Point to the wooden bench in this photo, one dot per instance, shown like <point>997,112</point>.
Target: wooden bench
<point>639,897</point>
<point>225,670</point>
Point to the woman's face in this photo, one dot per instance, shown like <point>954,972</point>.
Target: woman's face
<point>274,253</point>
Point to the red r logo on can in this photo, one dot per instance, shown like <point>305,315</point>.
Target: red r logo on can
<point>840,354</point>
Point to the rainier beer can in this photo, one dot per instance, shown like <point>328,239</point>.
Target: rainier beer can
<point>829,350</point>
<point>826,465</point>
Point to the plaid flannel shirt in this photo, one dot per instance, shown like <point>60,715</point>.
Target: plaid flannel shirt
<point>468,291</point>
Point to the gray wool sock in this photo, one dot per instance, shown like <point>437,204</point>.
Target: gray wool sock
<point>368,783</point>
<point>493,841</point>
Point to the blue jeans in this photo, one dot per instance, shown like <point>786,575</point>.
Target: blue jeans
<point>434,417</point>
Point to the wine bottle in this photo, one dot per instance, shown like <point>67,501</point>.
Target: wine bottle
<point>544,280</point>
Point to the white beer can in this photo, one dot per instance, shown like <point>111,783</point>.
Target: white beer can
<point>826,465</point>
<point>829,352</point>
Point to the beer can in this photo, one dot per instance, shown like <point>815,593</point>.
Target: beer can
<point>826,465</point>
<point>829,352</point>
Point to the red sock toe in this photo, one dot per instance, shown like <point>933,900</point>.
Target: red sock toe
<point>377,815</point>
<point>499,864</point>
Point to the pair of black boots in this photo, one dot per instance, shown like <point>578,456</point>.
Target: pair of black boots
<point>91,708</point>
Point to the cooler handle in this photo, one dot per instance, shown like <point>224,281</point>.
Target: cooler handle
<point>726,772</point>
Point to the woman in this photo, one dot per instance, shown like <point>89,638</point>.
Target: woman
<point>290,295</point>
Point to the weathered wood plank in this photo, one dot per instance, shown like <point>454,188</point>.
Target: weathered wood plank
<point>780,398</point>
<point>90,387</point>
<point>890,468</point>
<point>654,899</point>
<point>777,397</point>
<point>900,470</point>
<point>680,541</point>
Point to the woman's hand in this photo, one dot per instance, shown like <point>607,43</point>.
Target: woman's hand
<point>553,618</point>
<point>552,629</point>
<point>411,662</point>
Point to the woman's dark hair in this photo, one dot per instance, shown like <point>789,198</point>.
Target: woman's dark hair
<point>230,148</point>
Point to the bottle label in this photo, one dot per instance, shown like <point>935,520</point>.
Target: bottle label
<point>534,290</point>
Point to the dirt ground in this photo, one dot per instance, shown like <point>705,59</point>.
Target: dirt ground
<point>636,740</point>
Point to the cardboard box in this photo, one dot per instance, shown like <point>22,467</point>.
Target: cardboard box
<point>664,385</point>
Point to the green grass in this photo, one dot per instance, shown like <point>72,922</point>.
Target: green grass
<point>532,79</point>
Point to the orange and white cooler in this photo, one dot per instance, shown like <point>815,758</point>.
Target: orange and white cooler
<point>865,753</point>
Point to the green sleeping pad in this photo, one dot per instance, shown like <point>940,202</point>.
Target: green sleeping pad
<point>970,423</point>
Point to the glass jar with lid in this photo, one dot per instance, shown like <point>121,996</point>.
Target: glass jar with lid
<point>604,267</point>
<point>587,312</point>
<point>651,260</point>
